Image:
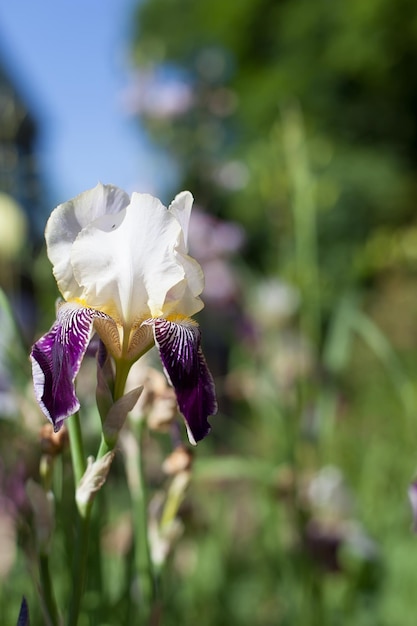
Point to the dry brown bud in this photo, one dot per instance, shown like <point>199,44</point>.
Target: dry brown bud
<point>53,443</point>
<point>178,461</point>
<point>158,401</point>
<point>8,542</point>
<point>162,413</point>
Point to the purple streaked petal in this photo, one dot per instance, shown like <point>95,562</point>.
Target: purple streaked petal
<point>56,359</point>
<point>179,346</point>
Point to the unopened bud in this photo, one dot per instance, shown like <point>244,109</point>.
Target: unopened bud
<point>175,495</point>
<point>161,540</point>
<point>117,415</point>
<point>94,478</point>
<point>164,524</point>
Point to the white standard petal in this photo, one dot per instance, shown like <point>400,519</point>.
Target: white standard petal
<point>181,207</point>
<point>68,220</point>
<point>183,298</point>
<point>126,264</point>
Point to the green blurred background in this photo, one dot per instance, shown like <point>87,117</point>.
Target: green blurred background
<point>294,124</point>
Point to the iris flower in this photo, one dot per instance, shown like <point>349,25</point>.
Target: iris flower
<point>122,267</point>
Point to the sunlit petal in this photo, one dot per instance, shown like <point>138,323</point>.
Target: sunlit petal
<point>67,221</point>
<point>181,207</point>
<point>127,264</point>
<point>179,346</point>
<point>56,359</point>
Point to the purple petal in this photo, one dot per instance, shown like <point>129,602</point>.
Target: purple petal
<point>184,363</point>
<point>56,359</point>
<point>23,619</point>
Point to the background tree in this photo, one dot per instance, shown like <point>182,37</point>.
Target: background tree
<point>297,119</point>
<point>347,66</point>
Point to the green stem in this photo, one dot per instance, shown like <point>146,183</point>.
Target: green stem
<point>304,211</point>
<point>76,447</point>
<point>137,486</point>
<point>122,372</point>
<point>79,566</point>
<point>83,522</point>
<point>142,555</point>
<point>104,447</point>
<point>142,551</point>
<point>47,591</point>
<point>84,512</point>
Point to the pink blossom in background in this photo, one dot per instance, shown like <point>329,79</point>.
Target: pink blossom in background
<point>213,242</point>
<point>151,95</point>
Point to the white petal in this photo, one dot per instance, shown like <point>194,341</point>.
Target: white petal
<point>67,221</point>
<point>193,285</point>
<point>183,298</point>
<point>181,207</point>
<point>127,263</point>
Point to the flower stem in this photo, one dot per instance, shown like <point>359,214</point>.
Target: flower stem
<point>122,372</point>
<point>77,447</point>
<point>304,210</point>
<point>47,591</point>
<point>104,448</point>
<point>83,522</point>
<point>137,487</point>
<point>142,549</point>
<point>79,566</point>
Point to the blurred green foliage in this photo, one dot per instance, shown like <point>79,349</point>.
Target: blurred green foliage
<point>302,127</point>
<point>347,65</point>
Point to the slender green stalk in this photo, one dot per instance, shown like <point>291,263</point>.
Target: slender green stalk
<point>137,486</point>
<point>44,525</point>
<point>142,550</point>
<point>79,566</point>
<point>142,555</point>
<point>104,447</point>
<point>304,211</point>
<point>122,372</point>
<point>76,447</point>
<point>83,522</point>
<point>47,591</point>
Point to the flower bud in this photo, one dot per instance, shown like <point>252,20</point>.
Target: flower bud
<point>94,478</point>
<point>53,443</point>
<point>117,414</point>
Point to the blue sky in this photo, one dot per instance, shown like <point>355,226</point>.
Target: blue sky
<point>70,60</point>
